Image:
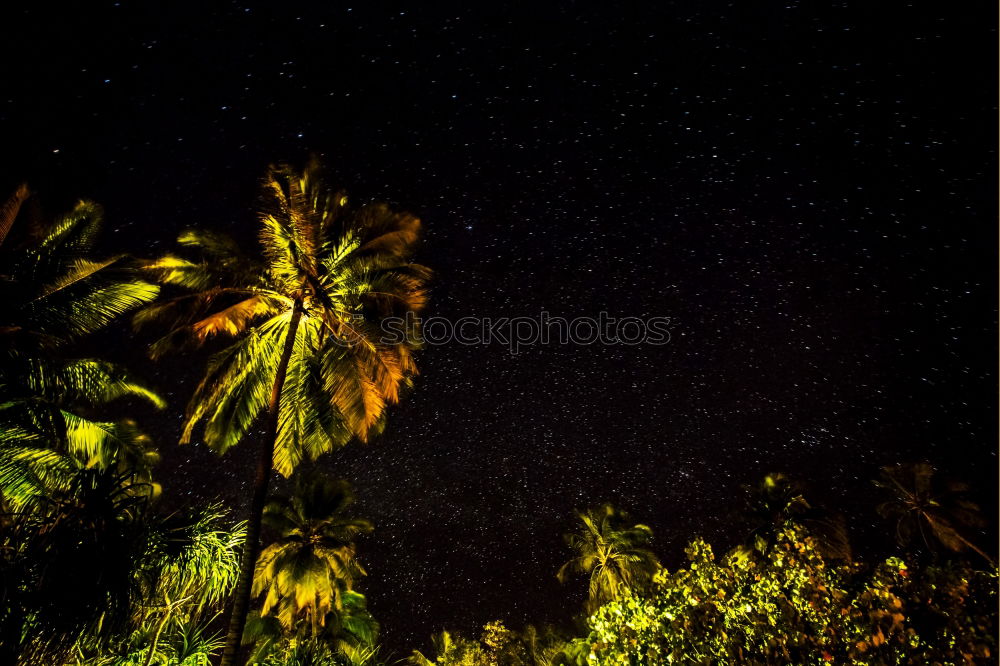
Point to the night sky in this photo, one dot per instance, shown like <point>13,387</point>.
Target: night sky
<point>807,190</point>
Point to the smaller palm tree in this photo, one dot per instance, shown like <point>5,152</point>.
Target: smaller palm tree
<point>614,554</point>
<point>937,513</point>
<point>306,571</point>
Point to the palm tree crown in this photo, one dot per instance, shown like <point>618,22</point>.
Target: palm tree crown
<point>304,572</point>
<point>329,277</point>
<point>614,554</point>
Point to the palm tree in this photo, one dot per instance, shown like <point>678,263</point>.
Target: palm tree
<point>922,507</point>
<point>310,354</point>
<point>55,292</point>
<point>615,556</point>
<point>543,648</point>
<point>778,501</point>
<point>51,427</point>
<point>305,572</point>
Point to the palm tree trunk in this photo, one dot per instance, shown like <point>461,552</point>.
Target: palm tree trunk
<point>265,463</point>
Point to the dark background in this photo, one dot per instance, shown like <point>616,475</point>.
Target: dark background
<point>806,189</point>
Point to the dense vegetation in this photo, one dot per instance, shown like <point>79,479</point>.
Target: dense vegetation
<point>93,571</point>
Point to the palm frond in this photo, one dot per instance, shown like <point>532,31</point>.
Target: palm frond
<point>10,209</point>
<point>236,388</point>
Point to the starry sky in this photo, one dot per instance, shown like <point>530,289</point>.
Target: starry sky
<point>807,191</point>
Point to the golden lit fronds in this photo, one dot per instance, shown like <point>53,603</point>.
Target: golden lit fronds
<point>196,320</point>
<point>50,426</point>
<point>176,271</point>
<point>75,231</point>
<point>294,210</point>
<point>79,270</point>
<point>306,423</point>
<point>93,306</point>
<point>236,386</point>
<point>29,475</point>
<point>64,293</point>
<point>389,288</point>
<point>352,390</point>
<point>212,243</point>
<point>387,232</point>
<point>31,468</point>
<point>234,319</point>
<point>279,248</point>
<point>105,444</point>
<point>345,270</point>
<point>10,209</point>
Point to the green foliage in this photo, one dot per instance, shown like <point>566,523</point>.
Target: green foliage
<point>51,404</point>
<point>181,643</point>
<point>500,646</point>
<point>317,652</point>
<point>143,587</point>
<point>452,650</point>
<point>790,606</point>
<point>50,426</point>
